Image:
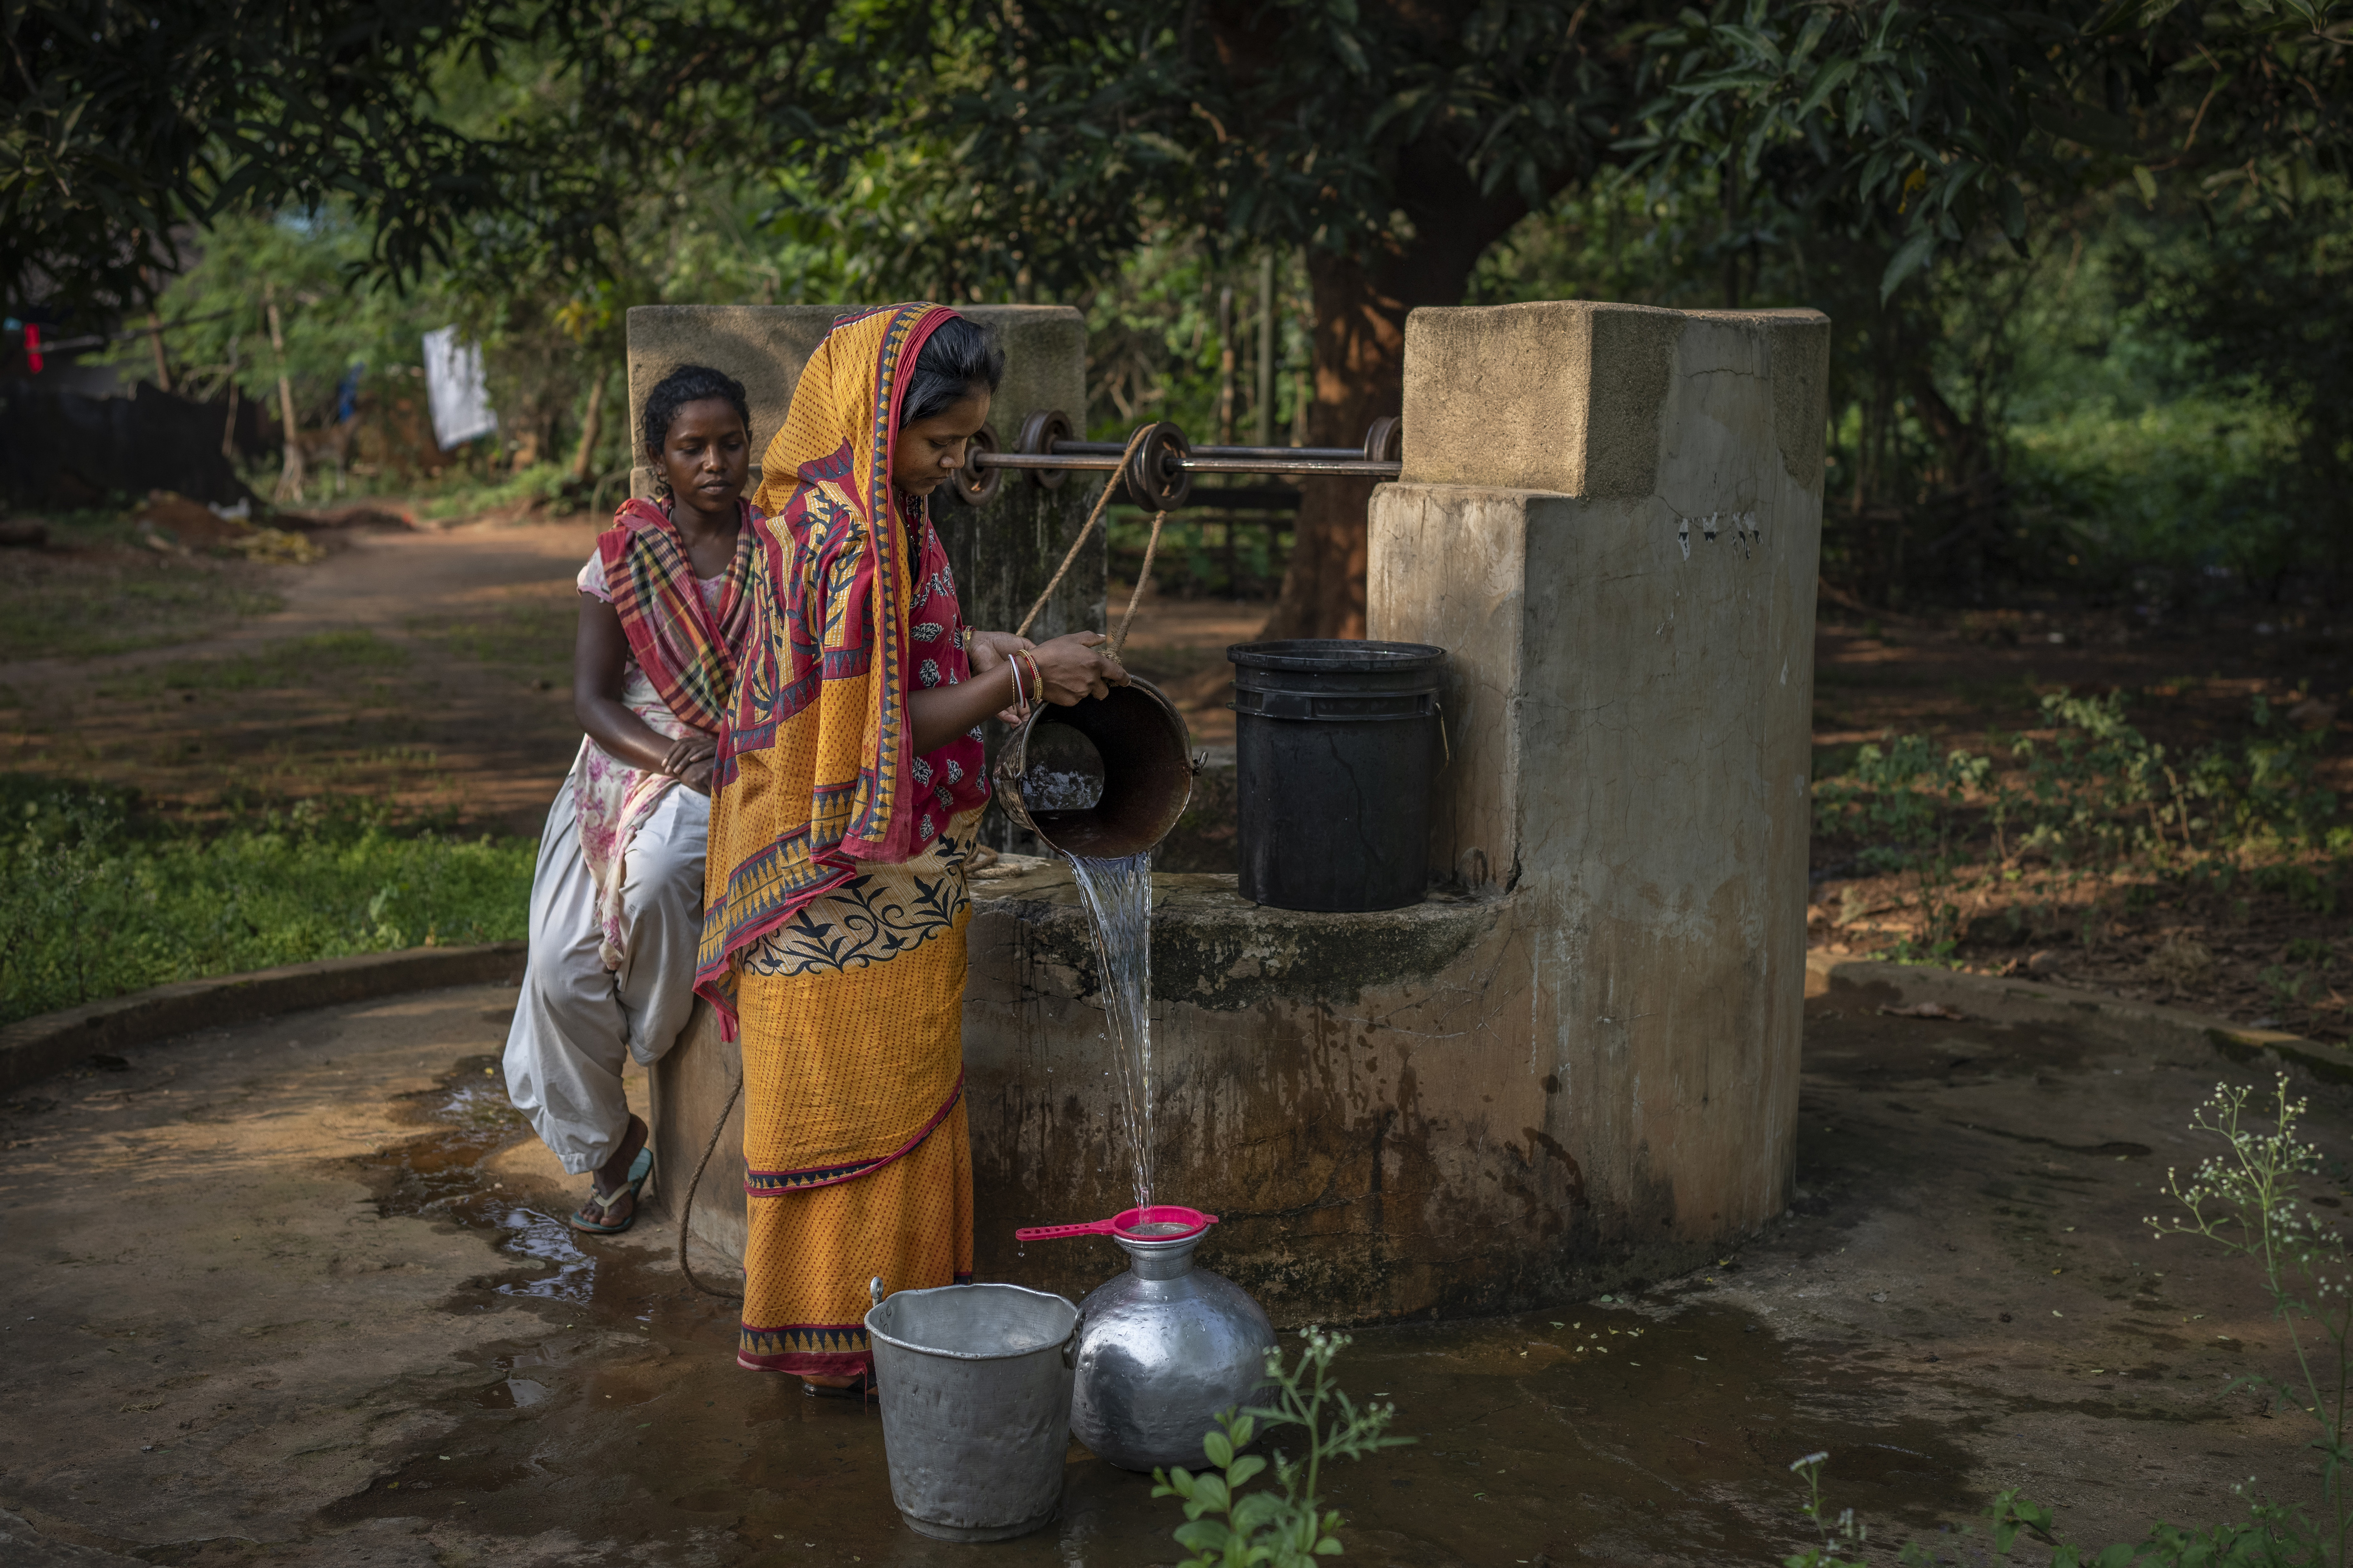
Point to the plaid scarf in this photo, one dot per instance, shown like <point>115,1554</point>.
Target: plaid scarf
<point>686,650</point>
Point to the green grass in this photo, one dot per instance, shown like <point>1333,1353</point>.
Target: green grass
<point>521,632</point>
<point>294,661</point>
<point>461,491</point>
<point>96,900</point>
<point>116,602</point>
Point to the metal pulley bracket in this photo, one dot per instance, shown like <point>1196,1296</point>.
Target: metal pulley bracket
<point>975,484</point>
<point>1039,434</point>
<point>1385,440</point>
<point>1156,478</point>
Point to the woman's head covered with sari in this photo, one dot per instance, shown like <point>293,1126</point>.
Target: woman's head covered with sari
<point>818,771</point>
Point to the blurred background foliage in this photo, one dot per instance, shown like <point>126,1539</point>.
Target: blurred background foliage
<point>2087,263</point>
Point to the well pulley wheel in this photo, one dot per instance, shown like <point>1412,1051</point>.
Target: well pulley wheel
<point>973,485</point>
<point>1156,478</point>
<point>1040,432</point>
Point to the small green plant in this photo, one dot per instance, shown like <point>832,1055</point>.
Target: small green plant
<point>1226,1527</point>
<point>1844,1532</point>
<point>2248,1200</point>
<point>1905,802</point>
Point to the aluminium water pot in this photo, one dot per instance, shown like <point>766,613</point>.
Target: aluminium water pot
<point>1164,1348</point>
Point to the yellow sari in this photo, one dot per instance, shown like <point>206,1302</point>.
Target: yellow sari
<point>833,938</point>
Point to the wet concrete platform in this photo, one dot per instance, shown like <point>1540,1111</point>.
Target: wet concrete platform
<point>297,1293</point>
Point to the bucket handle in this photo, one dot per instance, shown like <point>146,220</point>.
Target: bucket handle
<point>1071,1345</point>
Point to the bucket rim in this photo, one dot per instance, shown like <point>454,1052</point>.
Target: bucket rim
<point>914,1349</point>
<point>1338,655</point>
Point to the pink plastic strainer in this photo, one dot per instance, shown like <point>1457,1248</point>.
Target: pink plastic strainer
<point>1160,1222</point>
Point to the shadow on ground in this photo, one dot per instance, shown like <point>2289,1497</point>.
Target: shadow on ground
<point>298,1293</point>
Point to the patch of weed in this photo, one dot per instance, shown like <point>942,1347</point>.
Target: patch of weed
<point>98,897</point>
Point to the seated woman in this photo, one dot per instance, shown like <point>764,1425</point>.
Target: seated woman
<point>617,903</point>
<point>847,794</point>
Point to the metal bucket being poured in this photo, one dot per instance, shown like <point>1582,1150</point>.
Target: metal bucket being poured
<point>1105,778</point>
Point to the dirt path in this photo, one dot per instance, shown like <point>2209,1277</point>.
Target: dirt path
<point>428,671</point>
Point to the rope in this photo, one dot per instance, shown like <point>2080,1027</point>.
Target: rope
<point>686,1210</point>
<point>1092,518</point>
<point>1151,546</point>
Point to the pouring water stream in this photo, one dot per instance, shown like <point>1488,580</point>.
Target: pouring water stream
<point>1118,898</point>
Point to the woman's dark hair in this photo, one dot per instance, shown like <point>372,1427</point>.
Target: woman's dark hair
<point>690,384</point>
<point>959,356</point>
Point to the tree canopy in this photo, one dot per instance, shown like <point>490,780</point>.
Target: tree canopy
<point>1851,152</point>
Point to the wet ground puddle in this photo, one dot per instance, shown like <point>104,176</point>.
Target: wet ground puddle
<point>1599,1431</point>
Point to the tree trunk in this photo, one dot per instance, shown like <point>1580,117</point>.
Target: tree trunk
<point>1359,349</point>
<point>592,426</point>
<point>290,473</point>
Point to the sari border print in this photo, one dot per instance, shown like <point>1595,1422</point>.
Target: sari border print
<point>776,1183</point>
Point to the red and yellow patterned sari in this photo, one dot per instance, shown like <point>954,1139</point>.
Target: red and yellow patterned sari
<point>833,938</point>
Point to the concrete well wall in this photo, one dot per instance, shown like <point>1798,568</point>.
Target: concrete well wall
<point>1575,1064</point>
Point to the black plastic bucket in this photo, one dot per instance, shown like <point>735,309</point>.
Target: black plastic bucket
<point>1335,747</point>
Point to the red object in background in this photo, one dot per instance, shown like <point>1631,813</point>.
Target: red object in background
<point>33,346</point>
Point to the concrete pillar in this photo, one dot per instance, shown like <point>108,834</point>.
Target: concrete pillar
<point>1611,518</point>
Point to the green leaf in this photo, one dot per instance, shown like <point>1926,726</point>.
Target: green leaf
<point>1910,258</point>
<point>1221,1451</point>
<point>2146,181</point>
<point>1827,80</point>
<point>1244,1466</point>
<point>1258,1510</point>
<point>2014,210</point>
<point>1208,1535</point>
<point>1210,1493</point>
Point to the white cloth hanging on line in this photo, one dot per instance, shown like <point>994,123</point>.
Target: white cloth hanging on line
<point>455,390</point>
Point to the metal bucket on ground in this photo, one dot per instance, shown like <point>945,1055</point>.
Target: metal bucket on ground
<point>975,1384</point>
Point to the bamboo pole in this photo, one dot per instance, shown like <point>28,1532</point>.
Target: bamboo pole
<point>289,474</point>
<point>1266,350</point>
<point>156,340</point>
<point>228,425</point>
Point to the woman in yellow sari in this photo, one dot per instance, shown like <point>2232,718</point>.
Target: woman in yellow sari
<point>843,807</point>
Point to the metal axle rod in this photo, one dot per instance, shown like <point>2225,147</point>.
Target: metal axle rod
<point>1062,460</point>
<point>1159,474</point>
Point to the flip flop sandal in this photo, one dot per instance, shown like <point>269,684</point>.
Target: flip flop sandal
<point>862,1390</point>
<point>595,1215</point>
